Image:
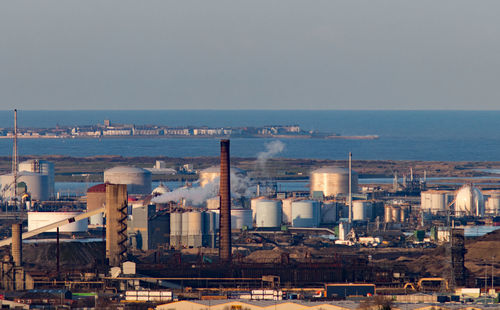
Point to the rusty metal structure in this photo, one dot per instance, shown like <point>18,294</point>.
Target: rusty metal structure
<point>225,203</point>
<point>116,223</point>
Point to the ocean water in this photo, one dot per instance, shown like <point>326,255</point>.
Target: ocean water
<point>404,135</point>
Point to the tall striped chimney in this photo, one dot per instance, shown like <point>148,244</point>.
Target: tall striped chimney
<point>225,203</point>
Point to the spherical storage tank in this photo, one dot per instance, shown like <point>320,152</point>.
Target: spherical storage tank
<point>37,184</point>
<point>241,218</point>
<point>138,180</point>
<point>268,213</point>
<point>40,219</point>
<point>469,201</point>
<point>305,213</point>
<point>160,190</point>
<point>333,181</point>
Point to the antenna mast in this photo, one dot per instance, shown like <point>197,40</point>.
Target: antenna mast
<point>350,187</point>
<point>14,156</point>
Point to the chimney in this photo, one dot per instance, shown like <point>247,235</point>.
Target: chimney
<point>225,203</point>
<point>17,245</point>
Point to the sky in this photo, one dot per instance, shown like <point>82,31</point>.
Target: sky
<point>255,54</point>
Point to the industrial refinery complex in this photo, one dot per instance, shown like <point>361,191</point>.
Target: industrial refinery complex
<point>235,240</point>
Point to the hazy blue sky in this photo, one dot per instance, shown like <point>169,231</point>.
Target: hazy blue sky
<point>255,54</point>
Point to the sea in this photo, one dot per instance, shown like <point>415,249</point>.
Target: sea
<point>403,135</point>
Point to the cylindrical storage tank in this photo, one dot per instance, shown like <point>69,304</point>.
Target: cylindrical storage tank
<point>433,201</point>
<point>37,184</point>
<point>396,214</point>
<point>217,218</point>
<point>388,214</point>
<point>43,167</point>
<point>305,213</point>
<point>405,213</point>
<point>175,229</point>
<point>185,228</point>
<point>138,180</point>
<point>287,210</point>
<point>268,213</point>
<point>195,226</point>
<point>425,202</point>
<point>329,212</point>
<point>213,203</point>
<point>492,204</point>
<point>40,219</point>
<point>241,218</point>
<point>360,209</point>
<point>253,206</point>
<point>195,229</point>
<point>333,181</point>
<point>211,222</point>
<point>210,229</point>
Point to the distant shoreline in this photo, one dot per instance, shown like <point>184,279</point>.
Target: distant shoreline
<point>333,137</point>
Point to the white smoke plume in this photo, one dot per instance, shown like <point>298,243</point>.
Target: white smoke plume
<point>272,148</point>
<point>197,195</point>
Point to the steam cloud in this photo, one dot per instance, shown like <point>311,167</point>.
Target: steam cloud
<point>240,185</point>
<point>272,148</point>
<point>197,195</point>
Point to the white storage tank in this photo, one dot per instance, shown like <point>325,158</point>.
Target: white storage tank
<point>287,210</point>
<point>333,181</point>
<point>253,205</point>
<point>268,213</point>
<point>241,218</point>
<point>329,212</point>
<point>396,214</point>
<point>305,213</point>
<point>492,204</point>
<point>469,201</point>
<point>43,167</point>
<point>195,228</point>
<point>361,210</point>
<point>434,201</point>
<point>40,219</point>
<point>36,183</point>
<point>213,203</point>
<point>175,228</point>
<point>138,180</point>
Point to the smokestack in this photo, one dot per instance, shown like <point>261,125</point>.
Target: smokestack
<point>225,203</point>
<point>17,245</point>
<point>116,223</point>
